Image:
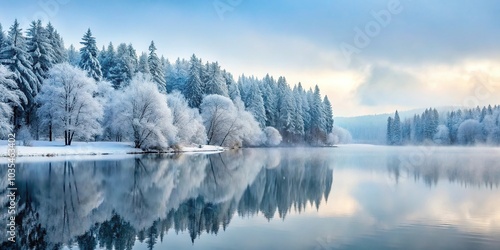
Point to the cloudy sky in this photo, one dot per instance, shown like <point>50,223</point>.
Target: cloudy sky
<point>371,56</point>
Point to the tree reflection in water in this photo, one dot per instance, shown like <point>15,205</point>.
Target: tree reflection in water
<point>111,203</point>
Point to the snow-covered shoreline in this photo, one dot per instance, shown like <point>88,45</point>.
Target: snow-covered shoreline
<point>57,148</point>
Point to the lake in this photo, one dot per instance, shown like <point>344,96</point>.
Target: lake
<point>350,197</point>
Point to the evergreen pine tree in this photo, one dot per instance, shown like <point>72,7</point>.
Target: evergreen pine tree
<point>88,57</point>
<point>107,59</point>
<point>318,122</point>
<point>57,44</point>
<point>214,82</point>
<point>3,39</point>
<point>143,65</point>
<point>328,114</point>
<point>396,130</point>
<point>155,69</point>
<point>73,56</point>
<point>123,69</point>
<point>40,50</point>
<point>232,86</point>
<point>269,96</point>
<point>15,56</point>
<point>255,105</point>
<point>389,131</point>
<point>194,87</point>
<point>134,61</point>
<point>297,116</point>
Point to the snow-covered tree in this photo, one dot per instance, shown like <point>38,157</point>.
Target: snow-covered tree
<point>297,116</point>
<point>328,114</point>
<point>286,108</point>
<point>107,60</point>
<point>10,97</point>
<point>228,124</point>
<point>272,137</point>
<point>156,69</point>
<point>469,132</point>
<point>187,120</point>
<point>442,136</point>
<point>251,132</point>
<point>123,69</point>
<point>270,100</point>
<point>40,50</point>
<point>232,86</point>
<point>132,60</point>
<point>215,83</point>
<point>57,45</point>
<point>73,56</point>
<point>194,86</point>
<point>339,136</point>
<point>144,113</point>
<point>3,39</point>
<point>255,104</point>
<point>15,56</point>
<point>220,119</point>
<point>88,56</point>
<point>396,130</point>
<point>318,121</point>
<point>143,66</point>
<point>68,95</point>
<point>177,76</point>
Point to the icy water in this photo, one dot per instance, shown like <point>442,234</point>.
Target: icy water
<point>352,197</point>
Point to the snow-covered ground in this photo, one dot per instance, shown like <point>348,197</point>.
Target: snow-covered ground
<point>57,148</point>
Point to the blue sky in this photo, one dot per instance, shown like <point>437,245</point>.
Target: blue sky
<point>428,53</point>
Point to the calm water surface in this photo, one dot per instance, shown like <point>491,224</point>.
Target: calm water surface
<point>352,197</point>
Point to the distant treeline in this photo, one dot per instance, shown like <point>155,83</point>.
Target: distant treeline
<point>459,127</point>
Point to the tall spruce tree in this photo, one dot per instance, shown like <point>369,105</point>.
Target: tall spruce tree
<point>73,56</point>
<point>123,69</point>
<point>57,44</point>
<point>270,100</point>
<point>40,50</point>
<point>214,81</point>
<point>255,105</point>
<point>16,58</point>
<point>318,121</point>
<point>143,66</point>
<point>156,69</point>
<point>389,131</point>
<point>194,86</point>
<point>88,57</point>
<point>396,130</point>
<point>328,114</point>
<point>107,59</point>
<point>3,39</point>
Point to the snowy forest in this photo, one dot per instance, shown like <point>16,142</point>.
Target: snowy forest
<point>460,127</point>
<point>49,92</point>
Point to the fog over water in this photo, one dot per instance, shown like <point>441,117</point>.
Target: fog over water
<point>353,196</point>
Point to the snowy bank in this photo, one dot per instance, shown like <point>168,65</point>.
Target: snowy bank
<point>57,148</point>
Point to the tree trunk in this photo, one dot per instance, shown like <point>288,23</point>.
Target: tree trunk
<point>50,132</point>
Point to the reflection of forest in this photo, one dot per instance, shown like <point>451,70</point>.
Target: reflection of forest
<point>107,204</point>
<point>469,170</point>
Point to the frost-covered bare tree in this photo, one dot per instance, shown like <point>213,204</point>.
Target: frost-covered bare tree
<point>10,96</point>
<point>67,103</point>
<point>187,120</point>
<point>228,124</point>
<point>143,114</point>
<point>339,136</point>
<point>271,136</point>
<point>469,132</point>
